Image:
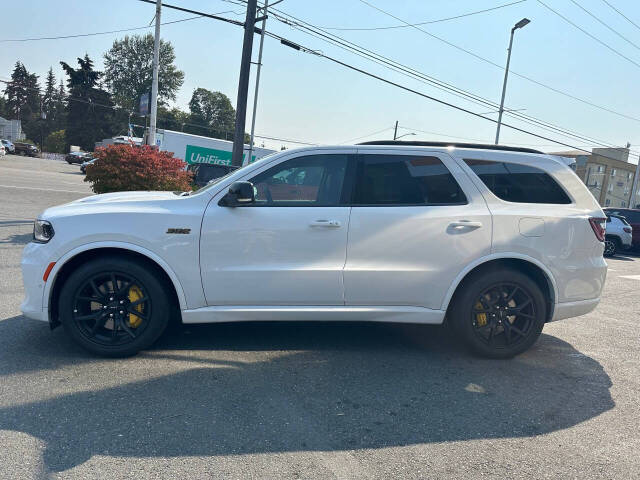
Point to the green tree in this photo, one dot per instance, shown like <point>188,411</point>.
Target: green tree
<point>212,114</point>
<point>55,142</point>
<point>129,70</point>
<point>23,100</point>
<point>172,119</point>
<point>90,115</point>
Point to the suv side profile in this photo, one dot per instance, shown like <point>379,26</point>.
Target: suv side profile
<point>632,217</point>
<point>618,236</point>
<point>494,241</point>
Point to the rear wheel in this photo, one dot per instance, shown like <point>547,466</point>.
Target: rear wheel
<point>499,314</point>
<point>114,306</point>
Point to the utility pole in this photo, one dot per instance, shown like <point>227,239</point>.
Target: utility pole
<point>395,132</point>
<point>151,139</point>
<point>243,84</point>
<point>518,25</point>
<point>255,94</point>
<point>634,189</point>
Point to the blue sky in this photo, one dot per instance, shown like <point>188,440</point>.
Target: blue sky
<point>308,98</point>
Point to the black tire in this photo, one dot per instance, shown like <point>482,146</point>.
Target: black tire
<point>611,246</point>
<point>105,320</point>
<point>488,329</point>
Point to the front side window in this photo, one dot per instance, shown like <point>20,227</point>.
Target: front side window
<point>513,182</point>
<point>314,180</point>
<point>405,180</point>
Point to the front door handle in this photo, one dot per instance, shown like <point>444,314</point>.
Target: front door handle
<point>465,224</point>
<point>326,224</point>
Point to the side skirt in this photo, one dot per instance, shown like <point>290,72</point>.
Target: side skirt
<point>395,313</point>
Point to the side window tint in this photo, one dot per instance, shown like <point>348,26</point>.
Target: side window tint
<point>313,180</point>
<point>405,180</point>
<point>518,183</point>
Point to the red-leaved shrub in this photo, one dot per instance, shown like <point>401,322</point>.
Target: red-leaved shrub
<point>125,168</point>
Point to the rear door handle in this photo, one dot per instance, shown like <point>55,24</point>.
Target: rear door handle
<point>465,224</point>
<point>326,224</point>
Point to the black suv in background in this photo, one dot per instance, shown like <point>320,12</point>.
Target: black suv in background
<point>25,149</point>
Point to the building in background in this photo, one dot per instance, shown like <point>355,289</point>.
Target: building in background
<point>608,174</point>
<point>11,130</point>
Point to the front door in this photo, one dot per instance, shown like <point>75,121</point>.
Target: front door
<point>416,222</point>
<point>289,246</point>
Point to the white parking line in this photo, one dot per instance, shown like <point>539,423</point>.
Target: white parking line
<point>46,189</point>
<point>630,277</point>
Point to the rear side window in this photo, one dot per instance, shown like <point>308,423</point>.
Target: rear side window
<point>405,180</point>
<point>518,183</point>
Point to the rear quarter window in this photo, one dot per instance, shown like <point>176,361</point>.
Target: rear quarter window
<point>517,183</point>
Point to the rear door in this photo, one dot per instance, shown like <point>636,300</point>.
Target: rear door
<point>416,222</point>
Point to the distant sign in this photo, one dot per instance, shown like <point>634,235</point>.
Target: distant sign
<point>195,154</point>
<point>145,101</point>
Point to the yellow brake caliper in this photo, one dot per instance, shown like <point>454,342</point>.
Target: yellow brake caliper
<point>481,318</point>
<point>135,294</point>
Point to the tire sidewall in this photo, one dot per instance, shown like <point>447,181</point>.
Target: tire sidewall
<point>463,303</point>
<point>156,290</point>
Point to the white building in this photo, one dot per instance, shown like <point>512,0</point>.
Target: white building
<point>11,130</point>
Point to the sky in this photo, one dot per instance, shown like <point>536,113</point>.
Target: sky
<point>307,98</point>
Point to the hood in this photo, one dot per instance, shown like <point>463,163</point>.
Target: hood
<point>126,197</point>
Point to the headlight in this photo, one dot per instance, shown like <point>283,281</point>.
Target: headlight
<point>42,231</point>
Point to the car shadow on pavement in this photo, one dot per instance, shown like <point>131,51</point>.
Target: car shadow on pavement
<point>17,239</point>
<point>309,387</point>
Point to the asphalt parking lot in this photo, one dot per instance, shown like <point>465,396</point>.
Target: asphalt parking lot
<point>310,400</point>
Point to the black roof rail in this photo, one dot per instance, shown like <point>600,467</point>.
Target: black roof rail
<point>479,146</point>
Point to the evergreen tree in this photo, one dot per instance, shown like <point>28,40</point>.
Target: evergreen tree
<point>90,114</point>
<point>23,100</point>
<point>49,103</point>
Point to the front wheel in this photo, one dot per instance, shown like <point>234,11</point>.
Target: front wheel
<point>611,246</point>
<point>499,313</point>
<point>114,306</point>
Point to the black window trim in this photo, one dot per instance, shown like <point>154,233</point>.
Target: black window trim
<point>562,187</point>
<point>358,163</point>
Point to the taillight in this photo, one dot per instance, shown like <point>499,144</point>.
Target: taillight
<point>598,225</point>
<point>627,229</point>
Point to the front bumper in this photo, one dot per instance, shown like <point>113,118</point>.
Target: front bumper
<point>34,262</point>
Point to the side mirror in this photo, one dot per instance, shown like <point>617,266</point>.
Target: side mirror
<point>240,193</point>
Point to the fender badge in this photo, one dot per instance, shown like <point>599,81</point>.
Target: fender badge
<point>183,231</point>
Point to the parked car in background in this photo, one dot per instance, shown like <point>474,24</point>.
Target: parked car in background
<point>8,145</point>
<point>78,157</point>
<point>618,236</point>
<point>83,165</point>
<point>411,232</point>
<point>632,216</point>
<point>26,149</point>
<point>203,173</point>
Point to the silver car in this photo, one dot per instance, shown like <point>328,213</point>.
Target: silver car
<point>619,235</point>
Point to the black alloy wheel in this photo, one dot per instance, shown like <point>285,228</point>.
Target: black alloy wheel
<point>499,312</point>
<point>115,306</point>
<point>503,315</point>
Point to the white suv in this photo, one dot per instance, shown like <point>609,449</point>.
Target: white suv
<point>495,241</point>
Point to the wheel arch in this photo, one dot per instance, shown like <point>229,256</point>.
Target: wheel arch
<point>523,263</point>
<point>77,256</point>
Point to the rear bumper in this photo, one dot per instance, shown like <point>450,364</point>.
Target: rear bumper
<point>574,309</point>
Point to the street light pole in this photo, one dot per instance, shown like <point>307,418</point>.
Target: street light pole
<point>255,94</point>
<point>395,132</point>
<point>154,85</point>
<point>518,25</point>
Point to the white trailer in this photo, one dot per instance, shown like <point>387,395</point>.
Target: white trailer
<point>195,149</point>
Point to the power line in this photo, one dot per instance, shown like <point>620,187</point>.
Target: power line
<point>587,33</point>
<point>365,136</point>
<point>107,32</point>
<point>603,23</point>
<point>501,67</point>
<point>426,22</point>
<point>412,73</point>
<point>623,15</point>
